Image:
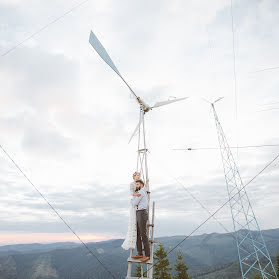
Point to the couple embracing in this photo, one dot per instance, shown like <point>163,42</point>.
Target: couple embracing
<point>137,230</point>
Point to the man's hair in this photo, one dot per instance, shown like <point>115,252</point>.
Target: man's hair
<point>140,181</point>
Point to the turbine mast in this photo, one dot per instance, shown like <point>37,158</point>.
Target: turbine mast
<point>142,167</point>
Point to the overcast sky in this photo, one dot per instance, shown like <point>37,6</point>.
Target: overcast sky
<point>66,117</point>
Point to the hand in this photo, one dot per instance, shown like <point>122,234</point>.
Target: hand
<point>137,194</point>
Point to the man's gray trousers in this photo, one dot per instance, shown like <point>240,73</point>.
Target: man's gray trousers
<point>142,237</point>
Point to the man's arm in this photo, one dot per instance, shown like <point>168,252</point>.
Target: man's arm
<point>136,200</point>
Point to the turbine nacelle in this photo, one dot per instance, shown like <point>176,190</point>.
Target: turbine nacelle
<point>145,107</point>
<point>214,102</point>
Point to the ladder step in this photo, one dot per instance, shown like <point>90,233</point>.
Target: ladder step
<point>142,150</point>
<point>131,260</point>
<point>150,225</point>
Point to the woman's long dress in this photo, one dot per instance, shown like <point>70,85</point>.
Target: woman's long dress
<point>131,236</point>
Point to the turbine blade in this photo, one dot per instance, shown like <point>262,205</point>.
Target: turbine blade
<point>159,104</point>
<point>96,44</point>
<point>135,131</point>
<point>218,100</point>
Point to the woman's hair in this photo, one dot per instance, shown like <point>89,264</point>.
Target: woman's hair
<point>136,173</point>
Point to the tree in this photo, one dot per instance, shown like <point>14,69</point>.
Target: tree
<point>138,271</point>
<point>161,268</point>
<point>181,267</point>
<point>258,277</point>
<point>277,260</point>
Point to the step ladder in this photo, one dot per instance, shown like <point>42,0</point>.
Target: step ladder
<point>148,273</point>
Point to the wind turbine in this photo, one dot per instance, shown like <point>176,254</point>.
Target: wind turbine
<point>142,149</point>
<point>144,107</point>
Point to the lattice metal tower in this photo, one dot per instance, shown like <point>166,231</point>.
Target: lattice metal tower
<point>253,255</point>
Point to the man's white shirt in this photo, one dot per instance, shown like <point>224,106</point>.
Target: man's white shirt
<point>142,201</point>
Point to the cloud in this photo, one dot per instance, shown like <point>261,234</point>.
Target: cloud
<point>50,238</point>
<point>66,118</point>
<point>41,80</point>
<point>43,139</point>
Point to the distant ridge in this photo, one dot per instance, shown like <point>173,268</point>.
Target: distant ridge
<point>208,256</point>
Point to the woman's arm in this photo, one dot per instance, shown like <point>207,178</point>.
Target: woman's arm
<point>132,188</point>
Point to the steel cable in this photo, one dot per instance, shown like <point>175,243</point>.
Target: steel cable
<point>42,28</point>
<point>56,212</point>
<point>220,208</point>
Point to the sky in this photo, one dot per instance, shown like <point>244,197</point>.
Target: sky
<point>66,117</point>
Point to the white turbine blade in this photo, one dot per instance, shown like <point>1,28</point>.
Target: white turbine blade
<point>96,44</point>
<point>159,104</point>
<point>93,40</point>
<point>135,131</point>
<point>218,100</point>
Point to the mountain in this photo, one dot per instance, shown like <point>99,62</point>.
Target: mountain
<point>34,248</point>
<point>208,256</point>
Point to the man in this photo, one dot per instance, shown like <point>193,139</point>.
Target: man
<point>141,203</point>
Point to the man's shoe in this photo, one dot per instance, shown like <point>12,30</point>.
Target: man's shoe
<point>145,259</point>
<point>137,257</point>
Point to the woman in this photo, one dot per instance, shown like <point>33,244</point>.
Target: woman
<point>131,237</point>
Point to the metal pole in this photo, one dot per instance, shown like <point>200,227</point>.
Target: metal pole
<point>145,161</point>
<point>145,154</point>
<point>138,158</point>
<point>150,275</point>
